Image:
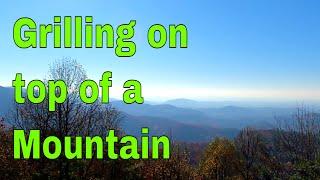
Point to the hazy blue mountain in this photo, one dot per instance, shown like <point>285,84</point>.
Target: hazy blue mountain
<point>176,130</point>
<point>6,99</point>
<point>225,117</point>
<point>183,115</point>
<point>187,103</point>
<point>238,117</point>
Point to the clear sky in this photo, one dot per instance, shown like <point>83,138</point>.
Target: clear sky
<point>249,49</point>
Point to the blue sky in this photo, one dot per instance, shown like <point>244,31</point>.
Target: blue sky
<point>262,50</point>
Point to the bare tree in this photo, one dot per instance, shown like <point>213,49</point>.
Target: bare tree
<point>299,136</point>
<point>71,118</point>
<point>253,153</point>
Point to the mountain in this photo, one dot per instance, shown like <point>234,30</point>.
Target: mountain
<point>187,103</point>
<point>239,117</point>
<point>182,123</point>
<point>183,115</point>
<point>177,131</point>
<point>224,117</point>
<point>6,100</point>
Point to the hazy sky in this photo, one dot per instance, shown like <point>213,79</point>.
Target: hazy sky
<point>265,50</point>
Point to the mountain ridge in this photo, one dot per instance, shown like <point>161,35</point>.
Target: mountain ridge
<point>186,123</point>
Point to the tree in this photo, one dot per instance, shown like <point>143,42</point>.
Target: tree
<point>299,136</point>
<point>220,160</point>
<point>10,169</point>
<point>177,167</point>
<point>254,154</point>
<point>297,142</point>
<point>71,118</point>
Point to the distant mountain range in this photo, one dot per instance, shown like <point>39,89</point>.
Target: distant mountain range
<point>183,119</point>
<point>187,103</point>
<point>182,115</point>
<point>223,117</point>
<point>177,131</point>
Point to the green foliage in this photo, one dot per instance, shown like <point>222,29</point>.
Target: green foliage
<point>306,170</point>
